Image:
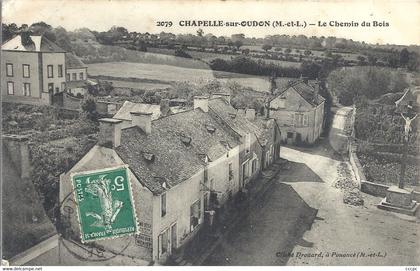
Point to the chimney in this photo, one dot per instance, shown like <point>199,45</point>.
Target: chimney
<point>226,96</point>
<point>201,102</point>
<point>18,148</point>
<point>109,132</point>
<point>142,120</point>
<point>250,114</point>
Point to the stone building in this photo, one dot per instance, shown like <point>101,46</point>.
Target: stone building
<point>32,70</point>
<point>180,167</point>
<point>299,111</point>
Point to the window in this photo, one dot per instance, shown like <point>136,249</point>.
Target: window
<point>230,172</point>
<point>26,71</point>
<point>301,119</point>
<point>10,88</point>
<point>68,77</point>
<point>81,76</point>
<point>60,70</point>
<point>50,71</point>
<point>305,120</point>
<point>163,205</point>
<point>26,89</point>
<point>74,76</point>
<point>195,211</point>
<point>9,69</point>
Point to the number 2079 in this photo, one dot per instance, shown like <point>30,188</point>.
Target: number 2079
<point>164,23</point>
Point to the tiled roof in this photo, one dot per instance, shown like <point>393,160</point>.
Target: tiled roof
<point>39,44</point>
<point>235,121</point>
<point>127,107</point>
<point>73,62</point>
<point>174,150</point>
<point>306,91</point>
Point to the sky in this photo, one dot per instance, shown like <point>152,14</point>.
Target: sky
<point>403,17</point>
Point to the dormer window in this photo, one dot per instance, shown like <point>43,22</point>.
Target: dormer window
<point>186,140</point>
<point>211,129</point>
<point>150,157</point>
<point>203,157</point>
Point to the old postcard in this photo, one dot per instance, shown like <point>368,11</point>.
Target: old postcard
<point>210,133</point>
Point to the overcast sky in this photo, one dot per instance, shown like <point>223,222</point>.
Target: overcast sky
<point>141,16</point>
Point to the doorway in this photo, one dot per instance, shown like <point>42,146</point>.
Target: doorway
<point>173,238</point>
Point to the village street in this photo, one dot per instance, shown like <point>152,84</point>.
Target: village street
<point>278,231</point>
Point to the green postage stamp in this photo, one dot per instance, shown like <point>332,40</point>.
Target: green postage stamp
<point>105,204</point>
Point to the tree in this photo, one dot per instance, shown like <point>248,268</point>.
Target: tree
<point>413,62</point>
<point>200,32</point>
<point>288,50</point>
<point>362,60</point>
<point>404,57</point>
<point>266,47</point>
<point>43,29</point>
<point>307,52</point>
<point>238,44</point>
<point>89,108</point>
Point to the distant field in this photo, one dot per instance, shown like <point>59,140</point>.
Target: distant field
<point>165,75</point>
<point>138,85</point>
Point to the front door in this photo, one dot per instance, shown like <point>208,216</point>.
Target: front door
<point>51,87</point>
<point>173,237</point>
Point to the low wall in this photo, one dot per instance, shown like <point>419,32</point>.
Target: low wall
<point>365,186</point>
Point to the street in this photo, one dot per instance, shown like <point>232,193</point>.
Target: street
<point>280,229</point>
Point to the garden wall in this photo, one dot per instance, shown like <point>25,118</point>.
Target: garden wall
<point>365,186</point>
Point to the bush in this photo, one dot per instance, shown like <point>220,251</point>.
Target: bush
<point>181,53</point>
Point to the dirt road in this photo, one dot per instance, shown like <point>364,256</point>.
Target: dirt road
<point>349,235</point>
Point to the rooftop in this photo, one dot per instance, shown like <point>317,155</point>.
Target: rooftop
<point>73,62</point>
<point>34,44</point>
<point>235,121</point>
<point>124,112</point>
<point>306,91</point>
<point>174,150</point>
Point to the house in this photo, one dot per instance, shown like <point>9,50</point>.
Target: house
<point>77,81</point>
<point>32,69</point>
<point>252,151</point>
<point>177,165</point>
<point>299,112</point>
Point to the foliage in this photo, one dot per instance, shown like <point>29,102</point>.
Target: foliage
<point>266,47</point>
<point>379,123</point>
<point>246,65</point>
<point>350,83</point>
<point>89,107</point>
<point>181,53</point>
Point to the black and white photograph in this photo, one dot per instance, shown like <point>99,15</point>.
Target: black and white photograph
<point>210,133</point>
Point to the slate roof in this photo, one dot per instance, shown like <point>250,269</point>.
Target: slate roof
<point>306,91</point>
<point>230,116</point>
<point>40,44</point>
<point>73,62</point>
<point>174,150</point>
<point>266,126</point>
<point>124,112</point>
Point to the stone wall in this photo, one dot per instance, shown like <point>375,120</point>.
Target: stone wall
<point>365,186</point>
